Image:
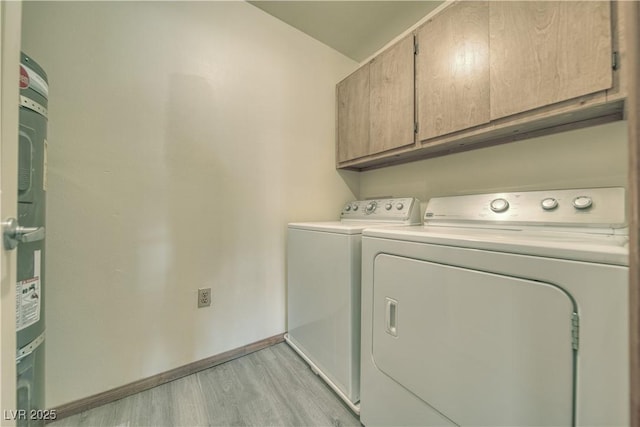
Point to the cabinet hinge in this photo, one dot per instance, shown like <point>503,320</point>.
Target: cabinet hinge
<point>415,127</point>
<point>415,45</point>
<point>614,60</point>
<point>575,331</point>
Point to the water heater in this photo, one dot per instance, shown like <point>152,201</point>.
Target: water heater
<point>30,241</point>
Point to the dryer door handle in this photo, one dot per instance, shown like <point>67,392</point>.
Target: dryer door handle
<point>391,316</point>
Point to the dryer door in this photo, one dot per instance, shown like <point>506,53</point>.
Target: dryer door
<point>480,348</point>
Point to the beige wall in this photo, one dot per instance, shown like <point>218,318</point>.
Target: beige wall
<point>590,157</point>
<point>182,139</point>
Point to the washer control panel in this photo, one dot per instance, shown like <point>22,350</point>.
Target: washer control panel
<point>383,210</point>
<point>593,207</point>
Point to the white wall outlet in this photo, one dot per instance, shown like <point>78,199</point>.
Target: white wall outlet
<point>204,297</point>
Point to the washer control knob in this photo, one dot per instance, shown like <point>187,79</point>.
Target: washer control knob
<point>549,204</point>
<point>399,206</point>
<point>354,207</point>
<point>499,205</point>
<point>371,206</point>
<point>388,206</point>
<point>582,202</point>
<point>347,208</point>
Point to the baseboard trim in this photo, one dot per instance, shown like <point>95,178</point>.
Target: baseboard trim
<point>118,393</point>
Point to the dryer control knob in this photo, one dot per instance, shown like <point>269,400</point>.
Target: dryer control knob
<point>354,207</point>
<point>399,206</point>
<point>549,204</point>
<point>347,208</point>
<point>499,205</point>
<point>388,206</point>
<point>371,206</point>
<point>582,202</point>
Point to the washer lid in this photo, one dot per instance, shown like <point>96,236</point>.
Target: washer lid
<point>328,227</point>
<point>600,248</point>
<point>344,227</point>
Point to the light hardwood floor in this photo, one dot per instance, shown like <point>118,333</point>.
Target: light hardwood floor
<point>271,387</point>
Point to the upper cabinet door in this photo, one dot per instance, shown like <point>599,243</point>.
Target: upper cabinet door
<point>392,98</point>
<point>353,115</point>
<point>452,70</point>
<point>546,52</point>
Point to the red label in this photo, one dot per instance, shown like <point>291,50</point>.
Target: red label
<point>24,78</point>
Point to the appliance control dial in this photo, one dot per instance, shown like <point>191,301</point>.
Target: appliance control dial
<point>388,206</point>
<point>371,206</point>
<point>499,205</point>
<point>582,202</point>
<point>354,207</point>
<point>399,206</point>
<point>549,203</point>
<point>347,208</point>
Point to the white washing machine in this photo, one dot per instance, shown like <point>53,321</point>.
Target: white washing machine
<point>323,289</point>
<point>502,310</point>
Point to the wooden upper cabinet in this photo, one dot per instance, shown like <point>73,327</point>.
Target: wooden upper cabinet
<point>452,70</point>
<point>484,72</point>
<point>376,105</point>
<point>353,115</point>
<point>392,98</point>
<point>546,52</point>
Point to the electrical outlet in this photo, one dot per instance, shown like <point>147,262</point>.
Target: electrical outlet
<point>204,297</point>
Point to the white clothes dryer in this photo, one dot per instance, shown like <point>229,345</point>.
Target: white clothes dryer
<point>502,310</point>
<point>323,289</point>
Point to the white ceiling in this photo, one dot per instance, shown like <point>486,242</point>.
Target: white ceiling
<point>356,28</point>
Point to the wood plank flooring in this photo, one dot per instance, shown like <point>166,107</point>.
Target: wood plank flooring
<point>271,387</point>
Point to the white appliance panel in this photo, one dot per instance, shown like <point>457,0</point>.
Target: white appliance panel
<point>599,290</point>
<point>474,345</point>
<point>323,268</point>
<point>605,249</point>
<point>324,289</point>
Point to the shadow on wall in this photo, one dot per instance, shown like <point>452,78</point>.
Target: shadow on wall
<point>582,158</point>
<point>199,206</point>
<point>352,180</point>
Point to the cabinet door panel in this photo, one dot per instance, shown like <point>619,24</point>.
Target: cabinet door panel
<point>546,52</point>
<point>392,95</point>
<point>452,70</point>
<point>353,115</point>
